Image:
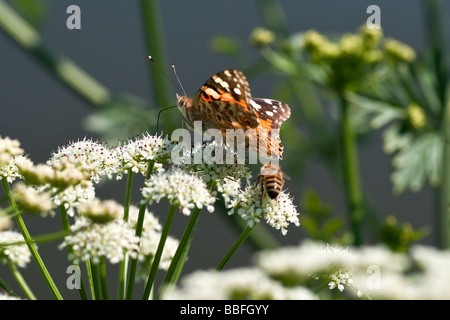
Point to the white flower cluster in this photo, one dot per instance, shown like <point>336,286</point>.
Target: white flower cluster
<point>215,161</point>
<point>9,148</point>
<point>5,221</point>
<point>93,156</point>
<point>308,263</point>
<point>18,253</point>
<point>238,284</point>
<point>10,171</point>
<point>252,205</point>
<point>4,296</point>
<point>9,151</point>
<point>136,154</point>
<point>369,272</point>
<point>29,199</point>
<point>93,241</point>
<point>180,188</point>
<point>102,232</point>
<point>100,211</point>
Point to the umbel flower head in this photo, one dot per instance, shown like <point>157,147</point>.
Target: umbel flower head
<point>88,155</point>
<point>349,62</point>
<point>100,211</point>
<point>94,241</point>
<point>136,154</point>
<point>15,253</point>
<point>215,162</point>
<point>309,263</point>
<point>29,199</point>
<point>9,148</point>
<point>182,189</point>
<point>237,284</point>
<point>67,182</point>
<point>10,170</point>
<point>253,205</point>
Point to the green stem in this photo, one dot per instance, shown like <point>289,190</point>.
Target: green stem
<point>34,253</point>
<point>351,173</point>
<point>7,288</point>
<point>273,15</point>
<point>66,227</point>
<point>95,281</point>
<point>154,35</point>
<point>103,279</point>
<point>21,281</point>
<point>139,226</point>
<point>22,33</point>
<point>49,237</point>
<point>92,284</point>
<point>124,263</point>
<point>158,254</point>
<point>444,214</point>
<point>234,247</point>
<point>174,271</point>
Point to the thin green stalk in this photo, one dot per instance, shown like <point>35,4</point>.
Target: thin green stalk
<point>273,15</point>
<point>34,253</point>
<point>92,284</point>
<point>44,238</point>
<point>154,36</point>
<point>351,173</point>
<point>28,38</point>
<point>158,254</point>
<point>139,226</point>
<point>7,288</point>
<point>234,247</point>
<point>444,214</point>
<point>174,271</point>
<point>103,279</point>
<point>124,263</point>
<point>21,281</point>
<point>66,227</point>
<point>95,281</point>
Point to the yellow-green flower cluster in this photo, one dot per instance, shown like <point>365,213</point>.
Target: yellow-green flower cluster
<point>349,61</point>
<point>416,116</point>
<point>261,37</point>
<point>398,51</point>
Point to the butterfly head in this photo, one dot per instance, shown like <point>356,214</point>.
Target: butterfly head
<point>183,104</point>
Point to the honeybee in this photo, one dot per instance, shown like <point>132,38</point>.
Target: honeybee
<point>271,179</point>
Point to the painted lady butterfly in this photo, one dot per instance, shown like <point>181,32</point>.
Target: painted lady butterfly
<point>224,102</point>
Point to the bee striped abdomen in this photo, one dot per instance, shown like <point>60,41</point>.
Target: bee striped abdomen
<point>273,185</point>
<point>271,178</point>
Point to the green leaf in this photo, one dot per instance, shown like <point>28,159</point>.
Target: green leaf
<point>420,162</point>
<point>126,116</point>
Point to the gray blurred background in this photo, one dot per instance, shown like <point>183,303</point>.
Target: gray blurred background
<point>42,113</point>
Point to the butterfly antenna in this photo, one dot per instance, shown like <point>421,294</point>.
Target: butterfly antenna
<point>178,87</point>
<point>178,79</point>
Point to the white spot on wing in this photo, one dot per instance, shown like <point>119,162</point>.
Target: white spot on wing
<point>255,105</point>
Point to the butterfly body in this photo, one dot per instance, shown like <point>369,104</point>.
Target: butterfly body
<point>224,103</point>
